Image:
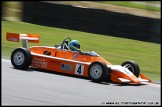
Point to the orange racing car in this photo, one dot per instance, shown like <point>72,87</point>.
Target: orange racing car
<point>61,59</point>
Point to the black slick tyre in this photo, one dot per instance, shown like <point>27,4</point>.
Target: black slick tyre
<point>21,58</point>
<point>132,66</point>
<point>98,71</point>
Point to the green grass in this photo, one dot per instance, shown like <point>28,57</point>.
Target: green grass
<point>115,50</point>
<point>133,5</point>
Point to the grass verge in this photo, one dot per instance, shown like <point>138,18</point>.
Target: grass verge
<point>133,5</point>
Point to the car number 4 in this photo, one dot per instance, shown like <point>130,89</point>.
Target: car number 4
<point>79,69</point>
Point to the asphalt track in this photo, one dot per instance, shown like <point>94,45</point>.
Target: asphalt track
<point>32,87</point>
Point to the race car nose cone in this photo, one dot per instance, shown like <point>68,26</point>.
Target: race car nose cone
<point>135,79</point>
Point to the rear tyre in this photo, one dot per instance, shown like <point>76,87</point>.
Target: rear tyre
<point>98,72</point>
<point>21,58</point>
<point>132,66</point>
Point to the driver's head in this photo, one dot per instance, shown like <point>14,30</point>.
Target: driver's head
<point>74,45</point>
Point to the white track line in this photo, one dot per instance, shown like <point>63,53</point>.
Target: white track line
<point>6,60</point>
<point>152,84</point>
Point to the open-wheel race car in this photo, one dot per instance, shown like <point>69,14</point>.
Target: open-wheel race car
<point>61,59</point>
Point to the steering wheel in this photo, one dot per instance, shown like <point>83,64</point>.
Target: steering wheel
<point>64,44</point>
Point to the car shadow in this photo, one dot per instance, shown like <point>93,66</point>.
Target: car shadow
<point>27,69</point>
<point>126,84</point>
<point>56,73</point>
<point>103,82</point>
<point>109,82</point>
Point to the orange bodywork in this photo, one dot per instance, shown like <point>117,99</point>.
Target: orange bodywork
<point>12,37</point>
<point>59,58</point>
<point>144,77</point>
<point>15,37</point>
<point>115,75</point>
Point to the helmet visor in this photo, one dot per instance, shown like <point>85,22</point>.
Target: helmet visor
<point>77,46</point>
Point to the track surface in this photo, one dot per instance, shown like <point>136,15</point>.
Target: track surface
<point>39,88</point>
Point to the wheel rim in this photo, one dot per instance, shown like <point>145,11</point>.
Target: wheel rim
<point>129,66</point>
<point>18,58</point>
<point>96,71</point>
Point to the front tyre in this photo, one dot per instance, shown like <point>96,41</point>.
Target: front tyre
<point>98,72</point>
<point>21,58</point>
<point>132,66</point>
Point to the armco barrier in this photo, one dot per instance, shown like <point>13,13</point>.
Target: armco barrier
<point>92,20</point>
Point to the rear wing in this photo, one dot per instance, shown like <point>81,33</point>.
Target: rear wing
<point>15,37</point>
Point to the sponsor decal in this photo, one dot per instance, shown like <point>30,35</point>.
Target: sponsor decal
<point>66,67</point>
<point>79,69</point>
<point>62,59</point>
<point>39,62</point>
<point>13,39</point>
<point>75,55</point>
